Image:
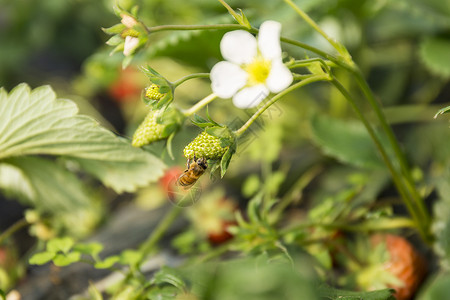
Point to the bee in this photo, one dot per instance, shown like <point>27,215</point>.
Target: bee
<point>192,173</point>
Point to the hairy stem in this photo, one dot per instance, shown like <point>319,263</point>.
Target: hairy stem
<point>188,77</point>
<point>413,209</point>
<point>277,97</point>
<point>159,231</point>
<point>200,104</point>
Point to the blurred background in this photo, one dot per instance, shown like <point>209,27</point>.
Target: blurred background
<point>402,46</point>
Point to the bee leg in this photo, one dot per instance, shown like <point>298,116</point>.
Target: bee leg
<point>188,164</point>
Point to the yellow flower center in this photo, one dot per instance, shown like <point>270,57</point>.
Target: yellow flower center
<point>258,70</point>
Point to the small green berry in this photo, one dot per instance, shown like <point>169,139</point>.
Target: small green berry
<point>152,92</point>
<point>149,131</point>
<point>204,145</point>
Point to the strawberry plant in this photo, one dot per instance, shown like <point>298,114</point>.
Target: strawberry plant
<point>285,150</point>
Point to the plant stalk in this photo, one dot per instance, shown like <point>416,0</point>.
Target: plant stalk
<point>199,105</point>
<point>277,97</point>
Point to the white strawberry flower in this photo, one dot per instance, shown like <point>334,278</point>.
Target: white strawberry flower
<point>252,68</point>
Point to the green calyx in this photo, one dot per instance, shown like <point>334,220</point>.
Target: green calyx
<point>160,93</point>
<point>157,125</point>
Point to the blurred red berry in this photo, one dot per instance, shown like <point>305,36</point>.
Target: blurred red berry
<point>128,86</point>
<point>404,262</point>
<point>168,181</point>
<point>222,235</point>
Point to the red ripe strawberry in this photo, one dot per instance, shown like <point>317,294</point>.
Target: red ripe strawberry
<point>404,262</point>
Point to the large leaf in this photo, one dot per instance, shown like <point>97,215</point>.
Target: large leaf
<point>48,186</point>
<point>348,141</point>
<point>35,122</point>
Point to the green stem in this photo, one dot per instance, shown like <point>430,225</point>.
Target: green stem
<point>199,105</point>
<point>295,192</point>
<point>277,97</point>
<point>159,231</point>
<point>307,62</point>
<point>370,225</point>
<point>188,77</point>
<point>12,229</point>
<point>338,46</point>
<point>405,170</point>
<point>196,27</point>
<point>397,178</point>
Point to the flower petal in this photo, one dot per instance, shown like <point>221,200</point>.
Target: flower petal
<point>227,79</point>
<point>238,46</point>
<point>280,77</point>
<point>250,96</point>
<point>269,39</point>
<point>130,45</point>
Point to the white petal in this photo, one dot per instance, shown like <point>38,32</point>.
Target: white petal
<point>227,79</point>
<point>130,45</point>
<point>238,46</point>
<point>269,39</point>
<point>280,77</point>
<point>250,96</point>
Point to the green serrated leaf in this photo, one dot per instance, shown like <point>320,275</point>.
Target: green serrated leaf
<point>107,263</point>
<point>91,248</point>
<point>63,244</point>
<point>170,276</point>
<point>348,142</point>
<point>35,122</point>
<point>59,190</point>
<point>41,258</point>
<point>335,294</point>
<point>434,52</point>
<point>62,260</point>
<point>2,295</point>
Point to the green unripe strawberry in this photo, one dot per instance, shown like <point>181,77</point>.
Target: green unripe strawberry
<point>152,92</point>
<point>205,145</point>
<point>149,131</point>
